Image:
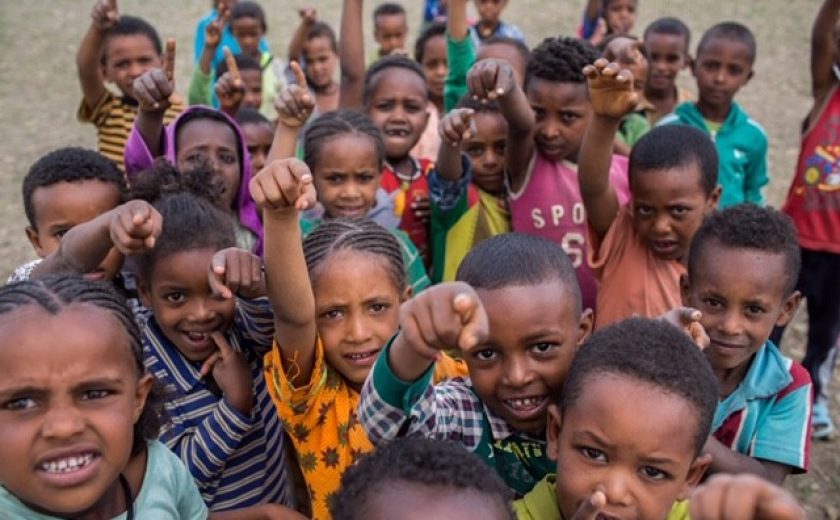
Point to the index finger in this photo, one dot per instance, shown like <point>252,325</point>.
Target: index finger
<point>221,341</point>
<point>591,507</point>
<point>473,319</point>
<point>169,60</point>
<point>300,77</point>
<point>233,68</point>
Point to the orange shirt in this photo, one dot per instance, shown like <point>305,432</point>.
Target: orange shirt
<point>633,281</point>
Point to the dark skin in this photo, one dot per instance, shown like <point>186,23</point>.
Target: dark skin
<point>154,91</point>
<point>824,51</point>
<point>351,54</point>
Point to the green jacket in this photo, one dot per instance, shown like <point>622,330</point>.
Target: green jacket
<point>461,55</point>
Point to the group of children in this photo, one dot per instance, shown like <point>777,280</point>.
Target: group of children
<point>488,281</point>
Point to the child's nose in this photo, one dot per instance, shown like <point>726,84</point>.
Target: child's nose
<point>62,422</point>
<point>357,330</point>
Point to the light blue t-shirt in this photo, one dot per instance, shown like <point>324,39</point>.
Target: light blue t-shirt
<point>168,493</point>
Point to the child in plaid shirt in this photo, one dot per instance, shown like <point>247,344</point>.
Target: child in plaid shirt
<point>517,330</point>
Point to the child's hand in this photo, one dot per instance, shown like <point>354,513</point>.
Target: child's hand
<point>421,205</point>
<point>230,88</point>
<point>490,79</point>
<point>156,86</point>
<point>295,103</point>
<point>687,319</point>
<point>442,317</point>
<point>134,227</point>
<point>283,184</point>
<point>610,89</point>
<point>213,31</point>
<point>308,15</point>
<point>105,15</point>
<point>231,372</point>
<point>743,497</point>
<point>591,508</point>
<point>457,126</point>
<point>236,271</point>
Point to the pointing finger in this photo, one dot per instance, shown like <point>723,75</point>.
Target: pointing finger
<point>300,77</point>
<point>233,68</point>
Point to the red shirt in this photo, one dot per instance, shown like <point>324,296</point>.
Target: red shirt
<point>403,192</point>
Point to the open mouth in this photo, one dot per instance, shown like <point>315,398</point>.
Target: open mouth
<point>69,470</point>
<point>67,464</point>
<point>398,133</point>
<point>664,247</point>
<point>362,358</point>
<point>524,408</point>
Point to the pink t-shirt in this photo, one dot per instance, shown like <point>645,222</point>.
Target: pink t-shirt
<point>549,205</point>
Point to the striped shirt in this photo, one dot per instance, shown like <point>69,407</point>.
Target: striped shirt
<point>114,117</point>
<point>768,416</point>
<point>236,460</point>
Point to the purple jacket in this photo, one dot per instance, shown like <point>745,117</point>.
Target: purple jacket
<point>138,158</point>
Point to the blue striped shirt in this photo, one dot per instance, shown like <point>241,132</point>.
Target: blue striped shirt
<point>236,460</point>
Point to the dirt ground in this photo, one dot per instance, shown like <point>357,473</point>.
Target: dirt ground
<point>39,97</point>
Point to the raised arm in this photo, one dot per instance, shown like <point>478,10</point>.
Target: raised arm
<point>612,96</point>
<point>281,190</point>
<point>104,16</point>
<point>493,79</point>
<point>456,126</point>
<point>351,53</point>
<point>824,48</point>
<point>308,16</point>
<point>229,88</point>
<point>294,106</point>
<point>153,90</point>
<point>743,497</point>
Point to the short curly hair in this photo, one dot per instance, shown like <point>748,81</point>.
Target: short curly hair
<point>391,62</point>
<point>421,461</point>
<point>652,352</point>
<point>747,226</point>
<point>560,60</point>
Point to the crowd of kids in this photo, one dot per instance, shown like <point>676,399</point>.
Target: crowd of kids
<point>469,279</point>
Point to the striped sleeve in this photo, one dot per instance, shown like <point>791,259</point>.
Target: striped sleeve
<point>784,434</point>
<point>255,322</point>
<point>415,271</point>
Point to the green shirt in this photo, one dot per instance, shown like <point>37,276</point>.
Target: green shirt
<point>461,56</point>
<point>633,126</point>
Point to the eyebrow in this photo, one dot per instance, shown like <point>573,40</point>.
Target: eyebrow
<point>30,389</point>
<point>590,436</point>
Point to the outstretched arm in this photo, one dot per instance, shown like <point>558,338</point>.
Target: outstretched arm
<point>456,126</point>
<point>743,497</point>
<point>153,90</point>
<point>294,106</point>
<point>104,16</point>
<point>351,53</point>
<point>824,48</point>
<point>308,16</point>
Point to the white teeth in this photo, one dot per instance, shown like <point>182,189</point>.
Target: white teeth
<point>197,336</point>
<point>361,355</point>
<point>67,465</point>
<point>528,402</point>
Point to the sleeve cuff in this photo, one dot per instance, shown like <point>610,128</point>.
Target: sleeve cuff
<point>393,390</point>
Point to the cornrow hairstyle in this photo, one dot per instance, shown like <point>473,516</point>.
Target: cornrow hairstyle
<point>674,146</point>
<point>479,107</point>
<point>70,164</point>
<point>247,9</point>
<point>654,353</point>
<point>416,461</point>
<point>560,60</point>
<point>387,9</point>
<point>334,124</point>
<point>131,26</point>
<point>251,116</point>
<point>751,227</point>
<point>519,259</point>
<point>357,234</point>
<point>732,31</point>
<point>243,61</point>
<point>669,25</point>
<point>432,30</point>
<point>517,45</point>
<point>389,62</point>
<point>54,293</point>
<point>321,29</point>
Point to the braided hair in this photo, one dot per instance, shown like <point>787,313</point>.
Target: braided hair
<point>560,60</point>
<point>357,234</point>
<point>54,293</point>
<point>334,124</point>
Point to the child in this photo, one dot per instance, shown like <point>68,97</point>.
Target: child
<point>348,281</point>
<point>219,16</point>
<point>517,330</point>
<point>603,18</point>
<point>666,46</point>
<point>390,29</point>
<point>628,52</point>
<point>467,189</point>
<point>116,49</point>
<point>628,429</point>
<point>258,133</point>
<point>813,203</point>
<point>208,327</point>
<point>78,421</point>
<point>725,57</point>
<point>742,270</point>
<point>315,47</point>
<point>638,250</point>
<point>199,136</point>
<point>421,478</point>
<point>430,53</point>
<point>546,122</point>
<point>248,85</point>
<point>489,22</point>
<point>248,25</point>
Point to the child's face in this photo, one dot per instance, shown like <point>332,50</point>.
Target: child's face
<point>205,140</point>
<point>435,65</point>
<point>321,61</point>
<point>667,56</point>
<point>722,67</point>
<point>248,30</point>
<point>490,11</point>
<point>534,333</point>
<point>562,111</point>
<point>507,52</point>
<point>67,408</point>
<point>127,58</point>
<point>252,80</point>
<point>629,439</point>
<point>61,206</point>
<point>620,16</point>
<point>357,307</point>
<point>415,501</point>
<point>742,295</point>
<point>398,106</point>
<point>258,139</point>
<point>186,310</point>
<point>668,207</point>
<point>390,31</point>
<point>346,176</point>
<point>486,150</point>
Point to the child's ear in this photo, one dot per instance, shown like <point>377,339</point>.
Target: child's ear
<point>714,198</point>
<point>685,285</point>
<point>144,386</point>
<point>789,307</point>
<point>695,474</point>
<point>552,432</point>
<point>585,327</point>
<point>35,240</point>
<point>407,294</point>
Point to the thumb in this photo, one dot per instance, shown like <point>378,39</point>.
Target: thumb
<point>224,346</point>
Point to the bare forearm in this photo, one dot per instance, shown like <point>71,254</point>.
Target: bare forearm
<point>404,362</point>
<point>457,19</point>
<point>297,42</point>
<point>725,460</point>
<point>205,63</point>
<point>285,142</point>
<point>595,155</point>
<point>352,55</point>
<point>449,162</point>
<point>88,64</point>
<point>81,250</point>
<point>150,126</point>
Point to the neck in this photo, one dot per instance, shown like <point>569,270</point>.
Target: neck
<point>714,113</point>
<point>486,28</point>
<point>730,378</point>
<point>403,166</point>
<point>668,94</point>
<point>437,102</point>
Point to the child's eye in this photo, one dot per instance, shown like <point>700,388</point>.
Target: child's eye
<point>175,297</point>
<point>378,308</point>
<point>539,113</point>
<point>98,393</point>
<point>18,404</point>
<point>654,473</point>
<point>385,106</point>
<point>333,314</point>
<point>228,159</point>
<point>680,210</point>
<point>593,454</point>
<point>644,211</point>
<point>712,303</point>
<point>335,179</point>
<point>475,151</point>
<point>365,178</point>
<point>60,233</point>
<point>755,309</point>
<point>568,118</point>
<point>542,348</point>
<point>486,354</point>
